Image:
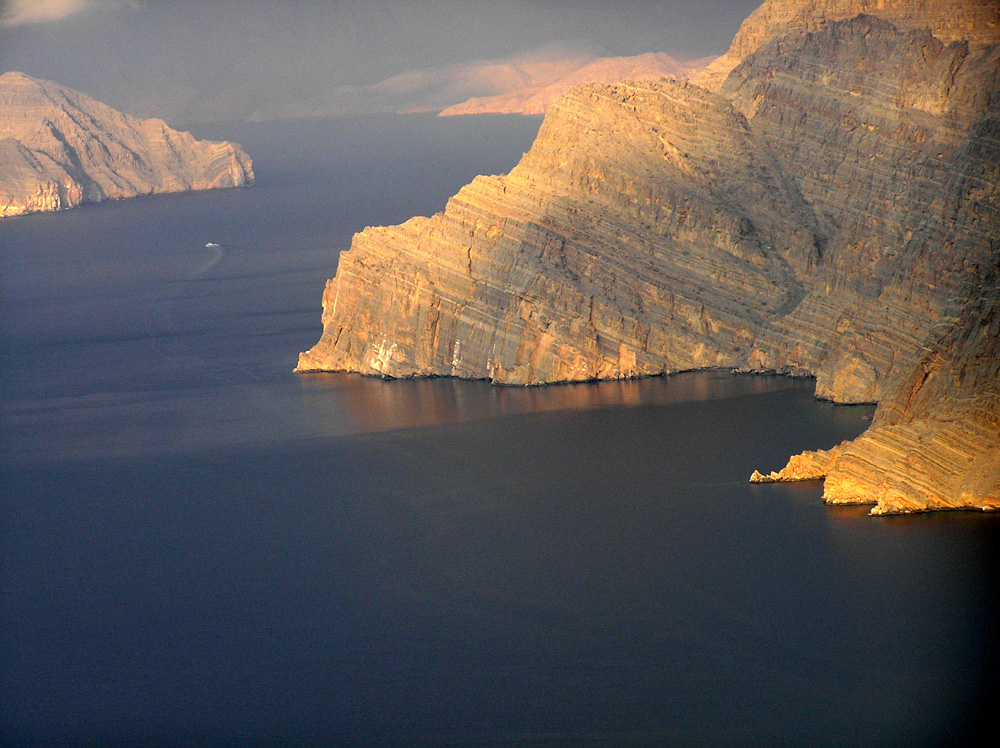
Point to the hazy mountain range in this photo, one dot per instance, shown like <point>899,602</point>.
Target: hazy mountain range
<point>521,84</point>
<point>231,60</point>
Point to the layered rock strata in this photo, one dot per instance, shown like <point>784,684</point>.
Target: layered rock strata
<point>935,441</point>
<point>590,259</point>
<point>975,21</point>
<point>891,136</point>
<point>829,212</point>
<point>60,148</point>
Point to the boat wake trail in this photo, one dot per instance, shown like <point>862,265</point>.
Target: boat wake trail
<point>166,313</point>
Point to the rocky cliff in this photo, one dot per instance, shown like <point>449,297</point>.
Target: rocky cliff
<point>935,440</point>
<point>976,21</point>
<point>60,148</point>
<point>832,210</point>
<point>891,137</point>
<point>590,259</point>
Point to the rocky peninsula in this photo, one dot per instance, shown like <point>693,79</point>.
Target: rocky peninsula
<point>60,148</point>
<point>825,204</point>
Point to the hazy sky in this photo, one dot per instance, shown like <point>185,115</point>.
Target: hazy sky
<point>198,60</point>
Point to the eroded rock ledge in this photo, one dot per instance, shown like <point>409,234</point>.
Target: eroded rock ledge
<point>832,211</point>
<point>60,148</point>
<point>934,442</point>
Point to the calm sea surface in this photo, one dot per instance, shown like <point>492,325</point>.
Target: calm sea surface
<point>200,548</point>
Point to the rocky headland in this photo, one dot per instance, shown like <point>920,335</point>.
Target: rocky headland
<point>934,442</point>
<point>60,148</point>
<point>831,209</point>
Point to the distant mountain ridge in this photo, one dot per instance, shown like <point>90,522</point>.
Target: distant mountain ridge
<point>525,83</point>
<point>60,148</point>
<point>536,96</point>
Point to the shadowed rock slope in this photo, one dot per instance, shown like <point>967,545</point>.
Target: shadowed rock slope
<point>832,211</point>
<point>60,148</point>
<point>977,21</point>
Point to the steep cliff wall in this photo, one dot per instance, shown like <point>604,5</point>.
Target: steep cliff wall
<point>932,334</point>
<point>832,211</point>
<point>60,148</point>
<point>935,440</point>
<point>977,21</point>
<point>890,136</point>
<point>621,245</point>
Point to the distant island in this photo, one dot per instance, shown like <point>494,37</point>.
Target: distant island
<point>824,202</point>
<point>60,148</point>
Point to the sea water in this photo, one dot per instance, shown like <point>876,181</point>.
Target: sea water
<point>200,547</point>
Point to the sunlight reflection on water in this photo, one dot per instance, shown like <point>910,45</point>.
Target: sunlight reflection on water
<point>361,404</point>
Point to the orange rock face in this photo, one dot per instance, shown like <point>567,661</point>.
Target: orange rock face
<point>977,21</point>
<point>833,210</point>
<point>60,148</point>
<point>806,466</point>
<point>935,440</point>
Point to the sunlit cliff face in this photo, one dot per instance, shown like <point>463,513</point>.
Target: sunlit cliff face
<point>950,20</point>
<point>825,215</point>
<point>60,148</point>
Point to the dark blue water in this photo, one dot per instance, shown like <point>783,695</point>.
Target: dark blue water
<point>200,548</point>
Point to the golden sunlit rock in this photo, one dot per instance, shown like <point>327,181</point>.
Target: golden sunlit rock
<point>60,148</point>
<point>833,210</point>
<point>935,440</point>
<point>977,21</point>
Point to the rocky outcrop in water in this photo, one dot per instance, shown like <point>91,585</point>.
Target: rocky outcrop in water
<point>833,210</point>
<point>935,440</point>
<point>60,148</point>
